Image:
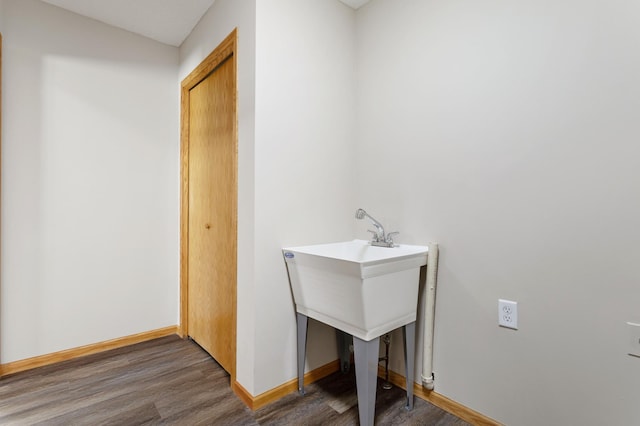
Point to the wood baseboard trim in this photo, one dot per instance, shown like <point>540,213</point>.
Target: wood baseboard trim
<point>284,389</point>
<point>441,401</point>
<point>42,360</point>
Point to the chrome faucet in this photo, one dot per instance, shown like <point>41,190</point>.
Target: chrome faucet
<point>379,238</point>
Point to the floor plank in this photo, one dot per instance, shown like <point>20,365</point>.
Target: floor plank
<point>170,381</point>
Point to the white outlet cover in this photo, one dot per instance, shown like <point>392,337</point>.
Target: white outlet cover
<point>634,339</point>
<point>508,314</point>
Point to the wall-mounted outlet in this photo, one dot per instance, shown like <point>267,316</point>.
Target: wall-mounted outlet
<point>634,339</point>
<point>508,313</point>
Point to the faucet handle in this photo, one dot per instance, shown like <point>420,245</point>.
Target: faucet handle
<point>376,236</point>
<point>390,236</point>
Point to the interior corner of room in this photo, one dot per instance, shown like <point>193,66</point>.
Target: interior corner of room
<point>505,131</point>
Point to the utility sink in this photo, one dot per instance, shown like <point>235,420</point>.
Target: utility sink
<point>363,290</point>
<point>358,288</point>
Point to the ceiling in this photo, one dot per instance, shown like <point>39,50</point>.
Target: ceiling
<point>166,21</point>
<point>355,3</point>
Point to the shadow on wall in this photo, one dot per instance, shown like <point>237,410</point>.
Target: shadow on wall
<point>22,183</point>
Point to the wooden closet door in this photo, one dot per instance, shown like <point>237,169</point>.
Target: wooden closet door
<point>212,188</point>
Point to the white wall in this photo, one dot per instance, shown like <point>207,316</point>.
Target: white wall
<point>215,25</point>
<point>304,174</point>
<point>295,79</point>
<point>90,175</point>
<point>509,133</point>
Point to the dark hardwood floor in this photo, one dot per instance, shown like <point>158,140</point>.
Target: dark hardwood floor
<point>170,381</point>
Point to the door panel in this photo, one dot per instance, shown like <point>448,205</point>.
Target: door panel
<point>212,190</point>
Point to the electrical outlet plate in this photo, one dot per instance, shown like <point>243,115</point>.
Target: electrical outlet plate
<point>634,339</point>
<point>508,314</point>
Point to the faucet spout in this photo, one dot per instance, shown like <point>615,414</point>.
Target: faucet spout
<point>380,235</point>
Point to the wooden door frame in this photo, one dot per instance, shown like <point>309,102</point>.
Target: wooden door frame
<point>1,372</point>
<point>226,49</point>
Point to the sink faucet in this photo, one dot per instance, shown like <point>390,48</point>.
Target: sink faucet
<point>380,238</point>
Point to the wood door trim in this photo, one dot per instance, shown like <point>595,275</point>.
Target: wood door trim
<point>226,49</point>
<point>0,144</point>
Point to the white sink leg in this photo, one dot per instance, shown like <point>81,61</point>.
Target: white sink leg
<point>301,322</point>
<point>366,360</point>
<point>409,337</point>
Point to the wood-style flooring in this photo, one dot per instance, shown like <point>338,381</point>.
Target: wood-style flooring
<point>170,381</point>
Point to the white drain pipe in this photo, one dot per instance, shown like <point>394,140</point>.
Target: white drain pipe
<point>429,316</point>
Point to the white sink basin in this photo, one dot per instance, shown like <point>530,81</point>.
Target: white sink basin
<point>361,289</point>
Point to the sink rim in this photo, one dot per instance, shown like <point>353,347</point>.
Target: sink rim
<point>359,251</point>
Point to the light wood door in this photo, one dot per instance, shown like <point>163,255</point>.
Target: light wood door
<point>212,213</point>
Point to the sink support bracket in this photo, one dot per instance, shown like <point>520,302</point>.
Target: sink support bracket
<point>366,363</point>
<point>366,360</point>
<point>345,341</point>
<point>302,323</point>
<point>409,337</point>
